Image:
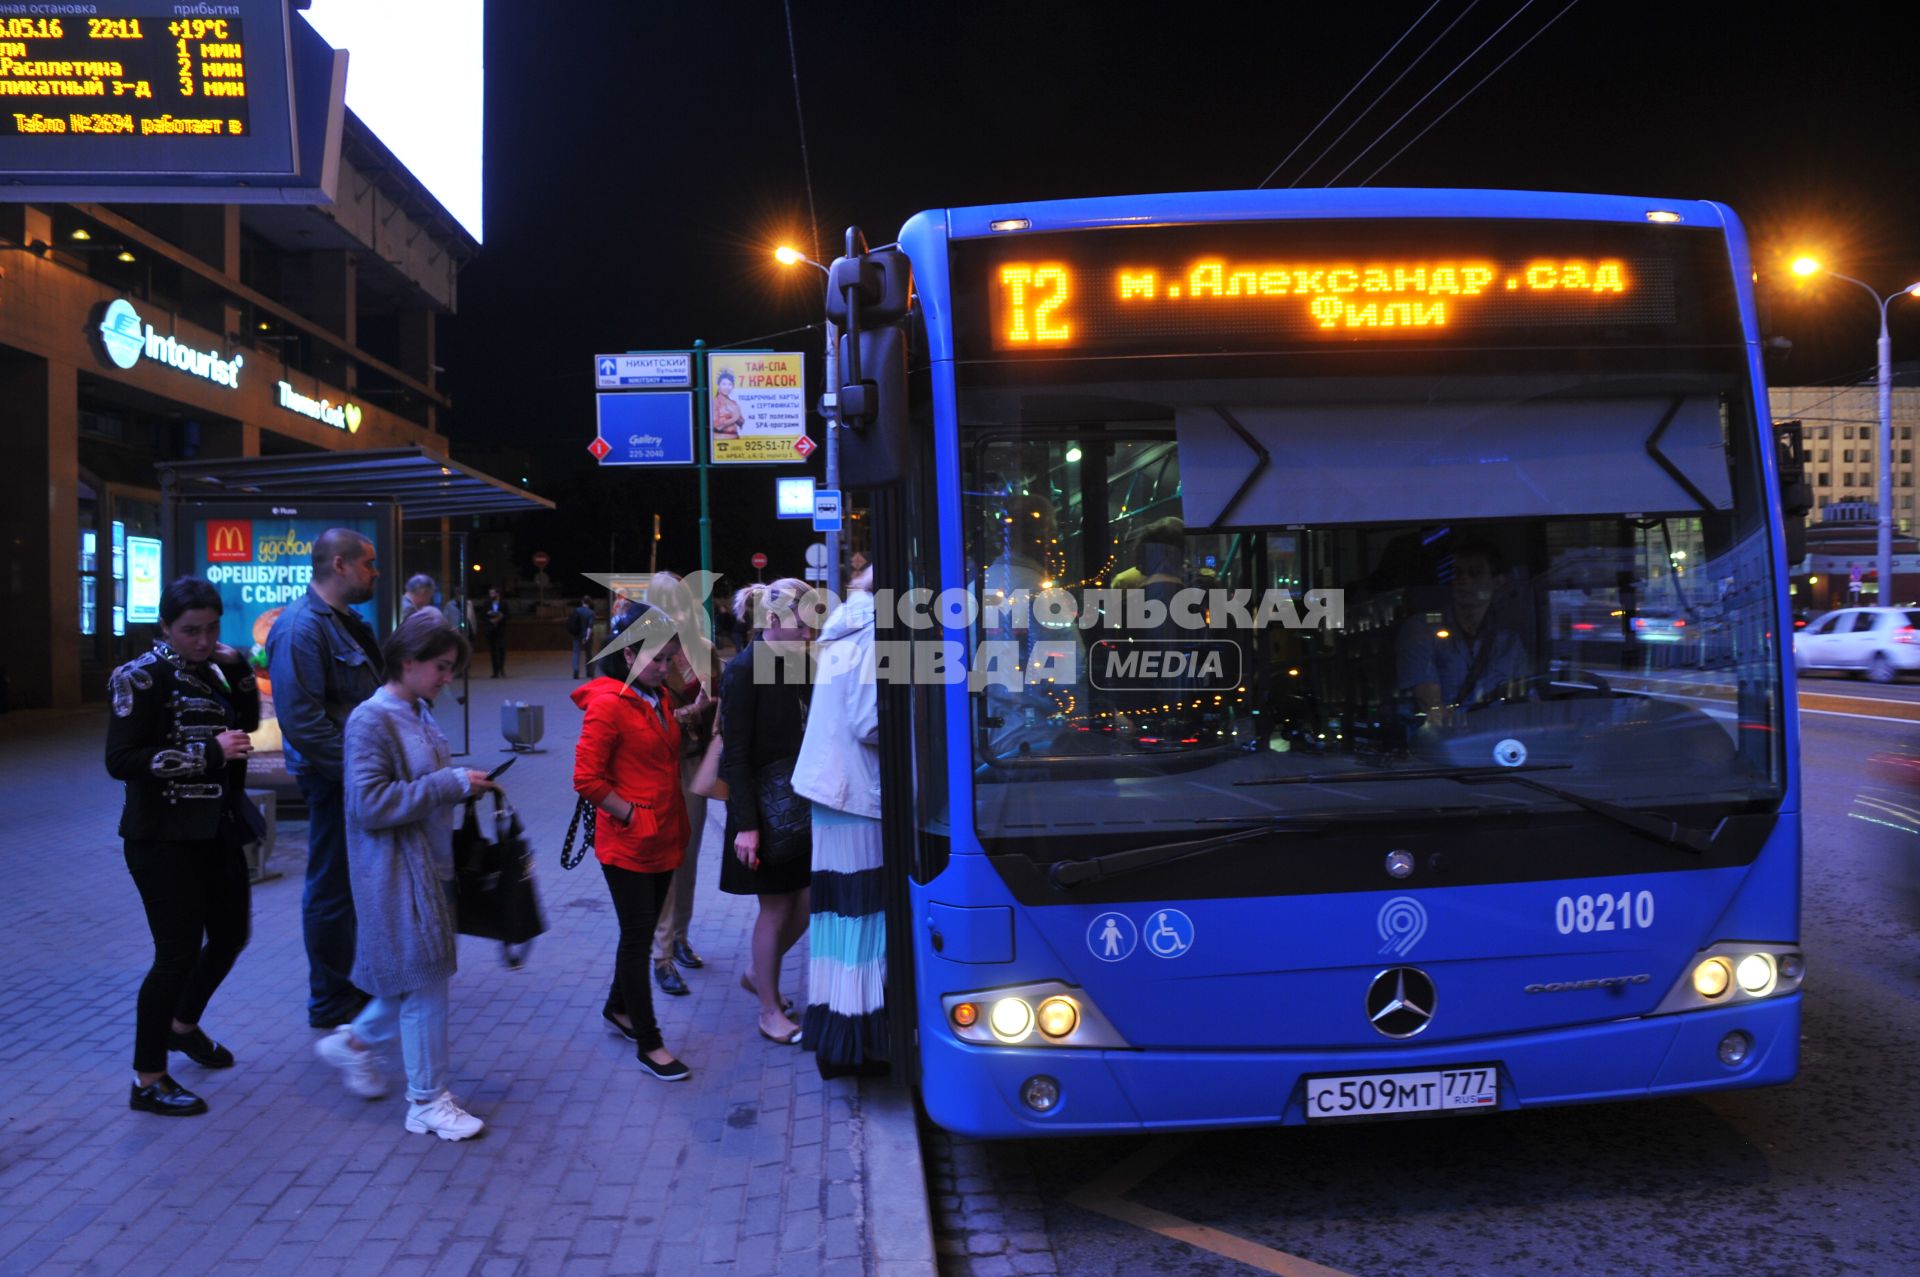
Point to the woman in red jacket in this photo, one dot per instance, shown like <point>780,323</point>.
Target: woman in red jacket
<point>627,765</point>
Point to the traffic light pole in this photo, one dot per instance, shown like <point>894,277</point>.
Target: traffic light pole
<point>703,446</point>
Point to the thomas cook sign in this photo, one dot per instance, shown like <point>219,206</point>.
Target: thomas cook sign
<point>341,416</point>
<point>127,338</point>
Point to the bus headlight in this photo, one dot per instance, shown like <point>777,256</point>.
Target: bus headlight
<point>1755,974</point>
<point>1058,1016</point>
<point>1733,972</point>
<point>1062,1014</point>
<point>1711,978</point>
<point>1012,1019</point>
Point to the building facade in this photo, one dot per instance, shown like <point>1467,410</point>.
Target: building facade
<point>136,335</point>
<point>1840,426</point>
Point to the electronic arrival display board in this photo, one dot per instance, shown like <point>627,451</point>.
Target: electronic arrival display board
<point>142,88</point>
<point>1248,287</point>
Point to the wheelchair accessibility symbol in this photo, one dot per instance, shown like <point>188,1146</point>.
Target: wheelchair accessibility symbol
<point>1168,933</point>
<point>1111,937</point>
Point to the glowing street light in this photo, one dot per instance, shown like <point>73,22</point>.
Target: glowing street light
<point>1807,268</point>
<point>787,255</point>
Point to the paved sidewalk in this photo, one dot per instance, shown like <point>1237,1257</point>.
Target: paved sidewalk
<point>587,1166</point>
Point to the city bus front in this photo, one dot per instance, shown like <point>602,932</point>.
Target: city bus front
<point>1373,698</point>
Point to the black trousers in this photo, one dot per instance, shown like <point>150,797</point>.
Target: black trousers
<point>637,898</point>
<point>193,892</point>
<point>497,648</point>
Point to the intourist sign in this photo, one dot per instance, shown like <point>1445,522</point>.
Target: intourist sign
<point>341,416</point>
<point>126,337</point>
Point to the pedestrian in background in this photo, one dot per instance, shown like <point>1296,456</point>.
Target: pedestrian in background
<point>763,719</point>
<point>495,619</point>
<point>178,738</point>
<point>324,661</point>
<point>402,792</point>
<point>420,591</point>
<point>580,630</point>
<point>839,770</point>
<point>627,764</point>
<point>687,692</point>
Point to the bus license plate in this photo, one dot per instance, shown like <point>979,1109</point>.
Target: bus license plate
<point>1391,1094</point>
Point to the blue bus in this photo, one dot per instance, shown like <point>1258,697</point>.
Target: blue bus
<point>1360,690</point>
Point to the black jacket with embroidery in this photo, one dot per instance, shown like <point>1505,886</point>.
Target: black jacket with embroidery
<point>161,742</point>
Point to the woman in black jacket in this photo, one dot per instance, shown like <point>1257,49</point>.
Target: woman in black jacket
<point>178,738</point>
<point>762,721</point>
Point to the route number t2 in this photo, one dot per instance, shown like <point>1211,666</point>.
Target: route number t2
<point>1031,295</point>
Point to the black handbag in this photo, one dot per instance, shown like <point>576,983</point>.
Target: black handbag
<point>497,896</point>
<point>786,818</point>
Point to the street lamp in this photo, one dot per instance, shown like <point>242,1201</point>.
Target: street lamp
<point>1806,268</point>
<point>829,405</point>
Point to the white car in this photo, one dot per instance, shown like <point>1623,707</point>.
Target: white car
<point>1880,642</point>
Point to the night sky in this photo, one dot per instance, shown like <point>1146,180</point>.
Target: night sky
<point>644,158</point>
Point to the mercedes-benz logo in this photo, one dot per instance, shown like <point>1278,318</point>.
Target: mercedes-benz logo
<point>1400,1001</point>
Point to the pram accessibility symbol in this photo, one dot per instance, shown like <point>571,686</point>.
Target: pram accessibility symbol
<point>1111,936</point>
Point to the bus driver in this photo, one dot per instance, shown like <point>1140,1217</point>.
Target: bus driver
<point>1469,655</point>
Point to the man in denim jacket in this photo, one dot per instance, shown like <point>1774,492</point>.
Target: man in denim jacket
<point>324,660</point>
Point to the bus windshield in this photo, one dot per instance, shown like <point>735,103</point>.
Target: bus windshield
<point>1199,589</point>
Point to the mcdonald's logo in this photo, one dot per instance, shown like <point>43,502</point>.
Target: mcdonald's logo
<point>229,540</point>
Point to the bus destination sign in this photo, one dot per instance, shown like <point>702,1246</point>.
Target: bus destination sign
<point>135,87</point>
<point>1308,284</point>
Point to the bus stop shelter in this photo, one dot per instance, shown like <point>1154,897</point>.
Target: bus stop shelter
<point>391,489</point>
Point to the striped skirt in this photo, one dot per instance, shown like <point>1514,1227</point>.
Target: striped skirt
<point>846,1021</point>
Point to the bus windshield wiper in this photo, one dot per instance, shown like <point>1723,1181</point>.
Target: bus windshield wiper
<point>1662,828</point>
<point>1654,825</point>
<point>1071,873</point>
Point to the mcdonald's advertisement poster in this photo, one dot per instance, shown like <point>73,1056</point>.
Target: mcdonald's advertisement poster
<point>757,408</point>
<point>259,566</point>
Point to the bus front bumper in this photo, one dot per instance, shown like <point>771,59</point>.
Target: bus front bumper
<point>976,1090</point>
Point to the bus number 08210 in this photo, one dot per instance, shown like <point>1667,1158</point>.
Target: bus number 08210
<point>1604,912</point>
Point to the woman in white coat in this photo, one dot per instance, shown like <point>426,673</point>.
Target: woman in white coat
<point>839,770</point>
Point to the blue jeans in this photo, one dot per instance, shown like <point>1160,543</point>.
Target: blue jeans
<point>419,1019</point>
<point>582,650</point>
<point>326,911</point>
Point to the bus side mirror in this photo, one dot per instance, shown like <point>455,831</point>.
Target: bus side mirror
<point>873,410</point>
<point>878,282</point>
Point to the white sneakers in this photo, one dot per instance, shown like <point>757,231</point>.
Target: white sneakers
<point>443,1117</point>
<point>359,1069</point>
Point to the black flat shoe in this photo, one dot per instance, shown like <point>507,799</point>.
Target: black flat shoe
<point>201,1049</point>
<point>684,955</point>
<point>167,1098</point>
<point>669,980</point>
<point>674,1072</point>
<point>618,1027</point>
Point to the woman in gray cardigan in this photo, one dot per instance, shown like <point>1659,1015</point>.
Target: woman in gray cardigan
<point>401,795</point>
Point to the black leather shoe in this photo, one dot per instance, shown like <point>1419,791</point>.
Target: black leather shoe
<point>167,1098</point>
<point>618,1027</point>
<point>684,955</point>
<point>669,980</point>
<point>201,1049</point>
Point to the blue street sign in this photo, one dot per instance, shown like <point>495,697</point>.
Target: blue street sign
<point>645,430</point>
<point>642,371</point>
<point>826,510</point>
